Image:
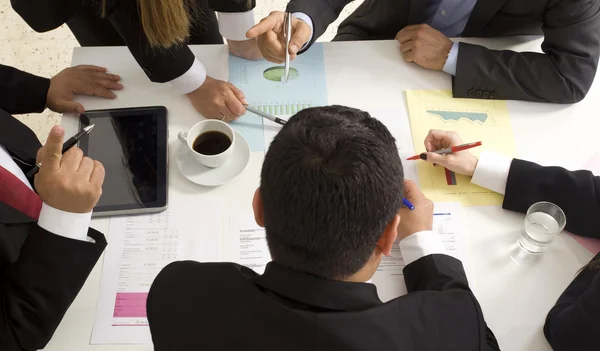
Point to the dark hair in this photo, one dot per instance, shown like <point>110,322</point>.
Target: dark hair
<point>331,182</point>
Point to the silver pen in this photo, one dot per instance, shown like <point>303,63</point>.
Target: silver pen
<point>266,115</point>
<point>288,35</point>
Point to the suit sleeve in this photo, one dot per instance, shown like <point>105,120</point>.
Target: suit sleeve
<point>21,92</point>
<point>577,193</point>
<point>46,15</point>
<point>231,5</point>
<point>321,12</point>
<point>160,65</point>
<point>573,323</point>
<point>39,287</point>
<point>446,274</point>
<point>563,74</point>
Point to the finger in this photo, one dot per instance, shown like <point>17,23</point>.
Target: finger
<point>442,138</point>
<point>97,176</point>
<point>405,35</point>
<point>436,159</point>
<point>89,88</point>
<point>415,27</point>
<point>40,155</point>
<point>91,68</point>
<point>234,106</point>
<point>409,56</point>
<point>86,166</point>
<point>65,106</point>
<point>274,46</point>
<point>411,190</point>
<point>71,159</point>
<point>53,149</point>
<point>107,83</point>
<point>273,22</point>
<point>105,76</point>
<point>300,36</point>
<point>239,95</point>
<point>407,46</point>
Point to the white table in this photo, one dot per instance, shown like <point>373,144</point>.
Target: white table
<point>515,298</point>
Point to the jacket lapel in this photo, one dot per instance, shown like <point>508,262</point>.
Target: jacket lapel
<point>482,13</point>
<point>416,11</point>
<point>20,142</point>
<point>9,215</point>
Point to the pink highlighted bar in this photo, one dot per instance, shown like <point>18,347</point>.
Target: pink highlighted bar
<point>130,305</point>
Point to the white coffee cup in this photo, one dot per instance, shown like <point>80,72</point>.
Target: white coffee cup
<point>209,125</point>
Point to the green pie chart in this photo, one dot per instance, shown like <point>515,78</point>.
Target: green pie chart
<point>276,73</point>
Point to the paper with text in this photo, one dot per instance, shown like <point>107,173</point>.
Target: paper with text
<point>474,120</point>
<point>249,243</point>
<point>139,248</point>
<point>389,278</point>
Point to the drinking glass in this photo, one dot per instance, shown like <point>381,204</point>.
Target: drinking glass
<point>543,222</point>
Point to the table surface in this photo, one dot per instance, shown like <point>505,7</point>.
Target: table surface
<point>515,298</point>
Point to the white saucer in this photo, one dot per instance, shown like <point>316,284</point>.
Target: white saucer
<point>202,175</point>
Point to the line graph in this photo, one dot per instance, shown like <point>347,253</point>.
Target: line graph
<point>456,116</point>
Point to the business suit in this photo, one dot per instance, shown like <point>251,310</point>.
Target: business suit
<point>41,273</point>
<point>225,306</point>
<point>573,323</point>
<point>564,74</point>
<point>122,26</point>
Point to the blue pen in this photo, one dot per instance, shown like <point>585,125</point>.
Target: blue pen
<point>407,204</point>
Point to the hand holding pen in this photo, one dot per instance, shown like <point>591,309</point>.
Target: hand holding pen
<point>461,161</point>
<point>420,218</point>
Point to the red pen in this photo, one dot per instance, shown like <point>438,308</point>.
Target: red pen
<point>449,150</point>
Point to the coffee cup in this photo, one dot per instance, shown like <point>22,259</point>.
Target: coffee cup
<point>211,142</point>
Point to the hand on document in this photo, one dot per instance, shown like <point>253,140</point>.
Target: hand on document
<point>417,220</point>
<point>462,162</point>
<point>219,100</point>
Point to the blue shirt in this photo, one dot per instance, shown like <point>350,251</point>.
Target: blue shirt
<point>448,16</point>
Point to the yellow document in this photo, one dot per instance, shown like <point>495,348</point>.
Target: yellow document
<point>474,120</point>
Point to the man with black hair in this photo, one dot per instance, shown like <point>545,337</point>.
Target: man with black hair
<point>330,200</point>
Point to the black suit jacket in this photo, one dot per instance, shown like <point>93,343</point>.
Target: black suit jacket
<point>225,306</point>
<point>160,65</point>
<point>563,74</point>
<point>573,323</point>
<point>41,273</point>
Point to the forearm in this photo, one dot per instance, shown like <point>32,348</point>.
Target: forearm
<point>40,286</point>
<point>508,75</point>
<point>572,323</point>
<point>21,92</point>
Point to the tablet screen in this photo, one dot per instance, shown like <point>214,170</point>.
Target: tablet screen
<point>132,146</point>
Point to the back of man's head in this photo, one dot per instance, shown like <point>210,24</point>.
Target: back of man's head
<point>331,182</point>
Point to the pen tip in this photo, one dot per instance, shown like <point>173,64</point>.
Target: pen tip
<point>89,128</point>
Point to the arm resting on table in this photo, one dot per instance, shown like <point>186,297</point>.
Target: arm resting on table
<point>38,288</point>
<point>577,193</point>
<point>563,74</point>
<point>21,92</point>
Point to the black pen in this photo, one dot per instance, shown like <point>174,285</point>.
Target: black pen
<point>66,146</point>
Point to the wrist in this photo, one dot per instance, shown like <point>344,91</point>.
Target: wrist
<point>473,161</point>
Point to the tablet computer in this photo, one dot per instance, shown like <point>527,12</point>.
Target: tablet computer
<point>131,143</point>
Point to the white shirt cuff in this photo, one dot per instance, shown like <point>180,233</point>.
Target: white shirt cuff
<point>234,25</point>
<point>492,171</point>
<point>67,224</point>
<point>419,245</point>
<point>190,80</point>
<point>452,60</point>
<point>306,18</point>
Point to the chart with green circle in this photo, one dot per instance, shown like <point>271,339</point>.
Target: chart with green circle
<point>276,73</point>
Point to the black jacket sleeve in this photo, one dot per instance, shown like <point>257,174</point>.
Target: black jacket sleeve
<point>321,12</point>
<point>563,74</point>
<point>445,273</point>
<point>573,322</point>
<point>577,193</point>
<point>38,288</point>
<point>46,15</point>
<point>21,92</point>
<point>231,5</point>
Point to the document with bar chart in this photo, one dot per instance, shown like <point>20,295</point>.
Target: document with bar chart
<point>261,82</point>
<point>474,120</point>
<point>140,247</point>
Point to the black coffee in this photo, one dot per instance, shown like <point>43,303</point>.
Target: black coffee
<point>211,143</point>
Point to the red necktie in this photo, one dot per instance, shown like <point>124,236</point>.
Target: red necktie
<point>18,195</point>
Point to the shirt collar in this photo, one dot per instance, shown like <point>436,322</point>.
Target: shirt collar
<point>312,290</point>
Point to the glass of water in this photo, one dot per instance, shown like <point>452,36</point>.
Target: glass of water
<point>543,222</point>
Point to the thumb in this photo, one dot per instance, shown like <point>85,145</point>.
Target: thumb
<point>432,157</point>
<point>53,148</point>
<point>69,107</point>
<point>301,36</point>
